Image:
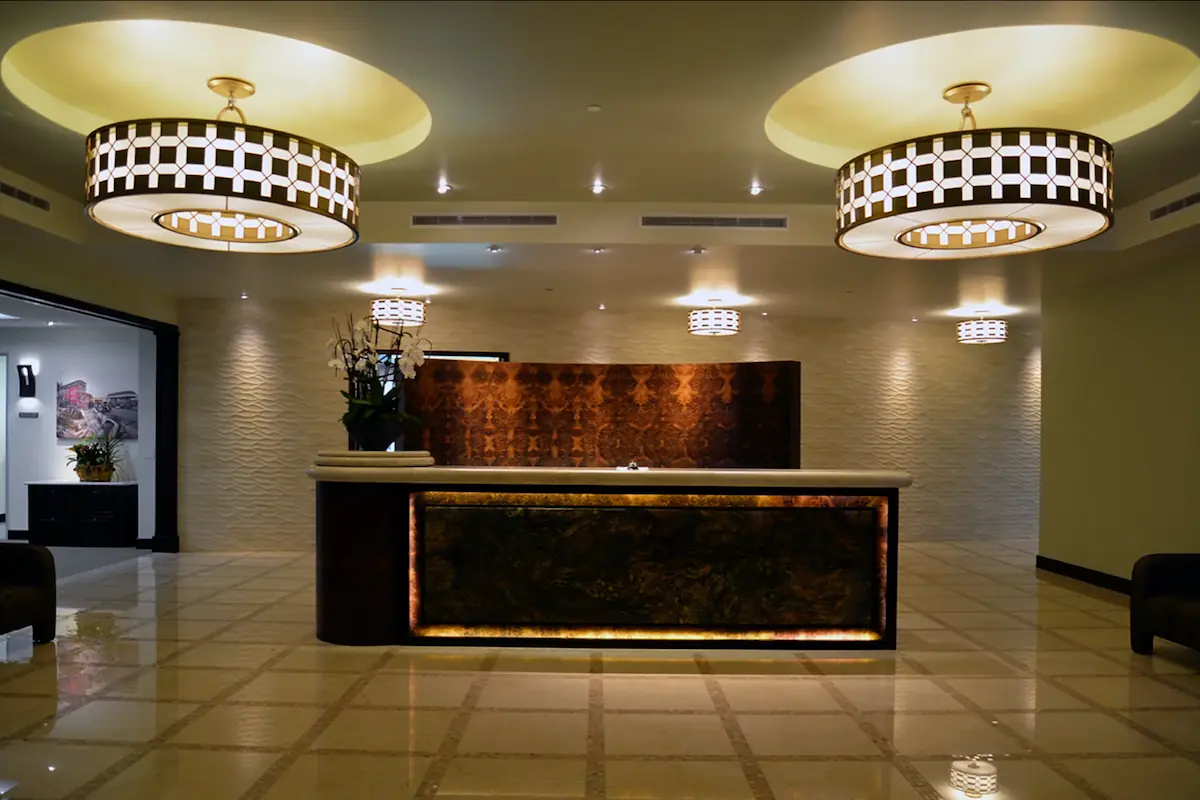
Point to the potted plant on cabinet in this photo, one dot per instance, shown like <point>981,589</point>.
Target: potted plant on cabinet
<point>96,458</point>
<point>375,362</point>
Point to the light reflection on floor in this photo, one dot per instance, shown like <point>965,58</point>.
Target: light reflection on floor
<point>198,676</point>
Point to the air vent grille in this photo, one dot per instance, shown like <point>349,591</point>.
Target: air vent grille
<point>22,196</point>
<point>484,220</point>
<point>777,223</point>
<point>1174,207</point>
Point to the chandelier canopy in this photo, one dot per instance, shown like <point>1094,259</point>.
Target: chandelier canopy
<point>714,322</point>
<point>221,185</point>
<point>982,331</point>
<point>975,192</point>
<point>395,312</point>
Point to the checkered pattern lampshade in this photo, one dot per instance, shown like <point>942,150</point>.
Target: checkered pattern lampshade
<point>982,331</point>
<point>974,778</point>
<point>393,312</point>
<point>219,185</point>
<point>976,193</point>
<point>714,322</point>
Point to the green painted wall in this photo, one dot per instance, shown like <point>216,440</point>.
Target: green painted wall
<point>1121,416</point>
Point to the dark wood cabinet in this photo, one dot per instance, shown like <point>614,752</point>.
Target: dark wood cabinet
<point>73,514</point>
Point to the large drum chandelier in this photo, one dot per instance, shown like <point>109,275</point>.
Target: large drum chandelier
<point>975,192</point>
<point>221,185</point>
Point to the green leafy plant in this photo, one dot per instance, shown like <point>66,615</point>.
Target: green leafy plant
<point>375,361</point>
<point>97,451</point>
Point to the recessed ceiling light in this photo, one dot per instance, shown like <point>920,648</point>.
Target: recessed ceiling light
<point>595,108</point>
<point>764,313</point>
<point>602,307</point>
<point>50,323</point>
<point>428,300</point>
<point>697,251</point>
<point>756,188</point>
<point>494,248</point>
<point>915,319</point>
<point>444,186</point>
<point>598,186</point>
<point>597,250</point>
<point>245,296</point>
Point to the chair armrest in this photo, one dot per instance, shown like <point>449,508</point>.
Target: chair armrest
<point>27,565</point>
<point>1165,573</point>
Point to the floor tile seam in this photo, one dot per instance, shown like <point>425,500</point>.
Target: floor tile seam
<point>1141,671</point>
<point>916,780</point>
<point>95,572</point>
<point>760,787</point>
<point>448,749</point>
<point>304,743</point>
<point>1096,706</point>
<point>596,773</point>
<point>142,749</point>
<point>139,671</point>
<point>139,752</point>
<point>1031,746</point>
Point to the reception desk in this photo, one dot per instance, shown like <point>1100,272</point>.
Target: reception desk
<point>522,556</point>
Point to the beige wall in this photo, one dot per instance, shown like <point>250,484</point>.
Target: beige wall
<point>258,400</point>
<point>1121,448</point>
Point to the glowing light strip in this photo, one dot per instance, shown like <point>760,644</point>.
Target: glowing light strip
<point>630,634</point>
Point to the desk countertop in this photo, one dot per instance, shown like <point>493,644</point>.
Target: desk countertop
<point>588,476</point>
<point>69,482</point>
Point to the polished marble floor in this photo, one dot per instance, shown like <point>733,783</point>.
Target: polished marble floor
<point>197,676</point>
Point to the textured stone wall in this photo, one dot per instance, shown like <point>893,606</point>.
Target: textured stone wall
<point>258,401</point>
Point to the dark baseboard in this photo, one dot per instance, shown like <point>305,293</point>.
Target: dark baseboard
<point>1084,574</point>
<point>3,518</point>
<point>163,544</point>
<point>14,534</point>
<point>145,544</point>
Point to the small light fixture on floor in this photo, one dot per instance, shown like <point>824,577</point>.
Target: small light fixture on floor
<point>974,778</point>
<point>982,331</point>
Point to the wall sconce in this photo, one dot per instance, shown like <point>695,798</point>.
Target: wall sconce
<point>27,381</point>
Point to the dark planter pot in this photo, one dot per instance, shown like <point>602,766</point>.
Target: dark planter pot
<point>376,434</point>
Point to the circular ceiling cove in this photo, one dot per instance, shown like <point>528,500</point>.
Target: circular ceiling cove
<point>1110,82</point>
<point>86,76</point>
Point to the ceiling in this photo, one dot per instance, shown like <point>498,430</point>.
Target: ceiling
<point>685,89</point>
<point>21,313</point>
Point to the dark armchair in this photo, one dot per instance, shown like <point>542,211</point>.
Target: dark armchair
<point>27,590</point>
<point>1164,600</point>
